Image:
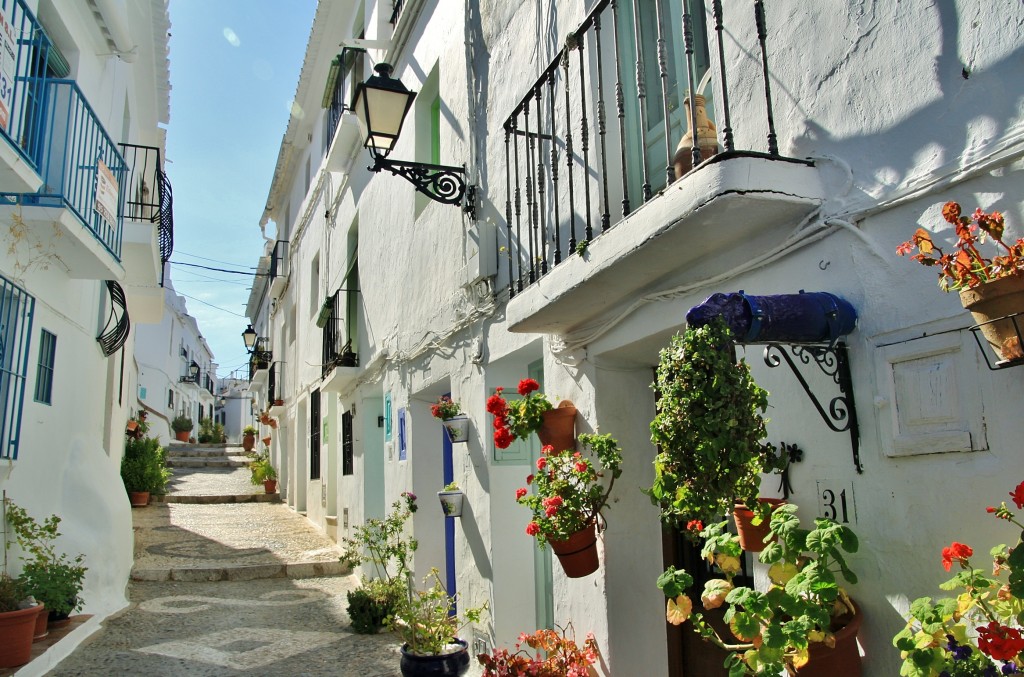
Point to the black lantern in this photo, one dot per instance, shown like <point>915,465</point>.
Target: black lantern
<point>249,336</point>
<point>193,371</point>
<point>381,104</point>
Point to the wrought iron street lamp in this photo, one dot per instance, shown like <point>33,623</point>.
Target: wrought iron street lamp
<point>381,105</point>
<point>193,372</point>
<point>249,336</point>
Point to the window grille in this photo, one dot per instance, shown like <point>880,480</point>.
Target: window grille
<point>346,444</point>
<point>314,435</point>
<point>44,372</point>
<point>16,311</point>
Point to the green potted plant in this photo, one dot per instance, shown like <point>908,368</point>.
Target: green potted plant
<point>515,419</point>
<point>382,543</point>
<point>451,498</point>
<point>182,426</point>
<point>143,469</point>
<point>249,433</point>
<point>53,579</point>
<point>449,412</point>
<point>979,632</point>
<point>709,430</point>
<point>427,622</point>
<point>804,622</point>
<point>990,287</point>
<point>263,472</point>
<point>18,615</point>
<point>556,654</point>
<point>569,494</point>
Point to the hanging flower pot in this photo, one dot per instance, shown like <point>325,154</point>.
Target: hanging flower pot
<point>558,427</point>
<point>451,502</point>
<point>578,553</point>
<point>994,300</point>
<point>752,535</point>
<point>457,429</point>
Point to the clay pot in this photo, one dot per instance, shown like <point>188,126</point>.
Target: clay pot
<point>992,301</point>
<point>559,427</point>
<point>752,535</point>
<point>16,631</point>
<point>138,499</point>
<point>707,138</point>
<point>578,553</point>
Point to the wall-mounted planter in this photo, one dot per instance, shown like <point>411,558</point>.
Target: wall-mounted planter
<point>559,427</point>
<point>457,429</point>
<point>451,502</point>
<point>992,305</point>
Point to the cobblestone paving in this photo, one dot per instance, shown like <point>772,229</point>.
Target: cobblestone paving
<point>211,481</point>
<point>267,627</point>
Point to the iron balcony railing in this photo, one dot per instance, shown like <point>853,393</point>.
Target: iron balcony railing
<point>337,348</point>
<point>261,356</point>
<point>275,382</point>
<point>279,260</point>
<point>208,383</point>
<point>347,72</point>
<point>595,136</point>
<point>17,307</point>
<point>81,166</point>
<point>147,195</point>
<point>22,110</point>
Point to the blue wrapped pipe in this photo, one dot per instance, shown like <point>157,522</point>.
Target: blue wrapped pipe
<point>807,317</point>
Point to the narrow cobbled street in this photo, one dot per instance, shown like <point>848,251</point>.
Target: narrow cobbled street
<point>229,581</point>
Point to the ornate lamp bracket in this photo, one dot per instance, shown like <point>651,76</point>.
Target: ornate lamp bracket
<point>840,415</point>
<point>441,183</point>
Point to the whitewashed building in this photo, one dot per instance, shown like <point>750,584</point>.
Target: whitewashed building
<point>86,225</point>
<point>582,258</point>
<point>177,372</point>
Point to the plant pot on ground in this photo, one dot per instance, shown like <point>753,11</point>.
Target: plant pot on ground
<point>143,468</point>
<point>262,471</point>
<point>803,612</point>
<point>182,427</point>
<point>249,438</point>
<point>18,614</point>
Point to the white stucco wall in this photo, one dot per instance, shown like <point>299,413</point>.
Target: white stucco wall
<point>889,151</point>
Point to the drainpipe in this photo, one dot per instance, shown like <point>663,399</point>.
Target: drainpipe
<point>115,16</point>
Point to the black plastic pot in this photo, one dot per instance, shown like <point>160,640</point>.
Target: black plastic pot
<point>447,665</point>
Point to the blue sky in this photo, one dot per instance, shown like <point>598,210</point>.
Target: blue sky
<point>234,68</point>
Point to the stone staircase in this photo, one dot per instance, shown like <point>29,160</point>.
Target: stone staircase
<point>206,456</point>
<point>211,473</point>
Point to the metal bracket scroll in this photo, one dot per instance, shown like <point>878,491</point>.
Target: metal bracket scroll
<point>841,414</point>
<point>441,183</point>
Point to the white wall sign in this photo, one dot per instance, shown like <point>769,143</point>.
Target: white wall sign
<point>106,193</point>
<point>8,64</point>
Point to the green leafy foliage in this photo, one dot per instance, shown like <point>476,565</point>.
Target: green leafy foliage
<point>426,618</point>
<point>181,423</point>
<point>261,469</point>
<point>804,603</point>
<point>709,428</point>
<point>143,466</point>
<point>12,593</point>
<point>53,578</point>
<point>372,603</point>
<point>209,431</point>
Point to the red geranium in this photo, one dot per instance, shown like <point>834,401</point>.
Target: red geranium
<point>518,418</point>
<point>999,641</point>
<point>956,551</point>
<point>1018,496</point>
<point>527,386</point>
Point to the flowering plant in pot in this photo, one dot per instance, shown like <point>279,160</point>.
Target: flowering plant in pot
<point>990,287</point>
<point>709,429</point>
<point>556,654</point>
<point>182,426</point>
<point>451,498</point>
<point>445,408</point>
<point>805,621</point>
<point>456,425</point>
<point>979,632</point>
<point>427,622</point>
<point>570,491</point>
<point>515,419</point>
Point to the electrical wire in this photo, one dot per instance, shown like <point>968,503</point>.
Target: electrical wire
<point>220,270</point>
<point>230,312</point>
<point>205,258</point>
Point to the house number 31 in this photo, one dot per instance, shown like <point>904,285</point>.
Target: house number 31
<point>836,501</point>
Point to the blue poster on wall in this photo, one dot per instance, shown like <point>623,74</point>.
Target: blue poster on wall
<point>402,448</point>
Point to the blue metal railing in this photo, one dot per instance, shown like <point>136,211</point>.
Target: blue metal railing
<point>17,307</point>
<point>20,109</point>
<point>74,144</point>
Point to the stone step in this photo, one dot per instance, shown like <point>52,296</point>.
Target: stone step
<point>206,463</point>
<point>242,572</point>
<point>196,453</point>
<point>220,498</point>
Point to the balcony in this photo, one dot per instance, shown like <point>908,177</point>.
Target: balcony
<point>21,112</point>
<point>74,217</point>
<point>279,268</point>
<point>595,214</point>
<point>340,122</point>
<point>275,389</point>
<point>340,362</point>
<point>148,216</point>
<point>259,362</point>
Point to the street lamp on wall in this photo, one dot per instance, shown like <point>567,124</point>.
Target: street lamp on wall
<point>249,336</point>
<point>381,105</point>
<point>193,371</point>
